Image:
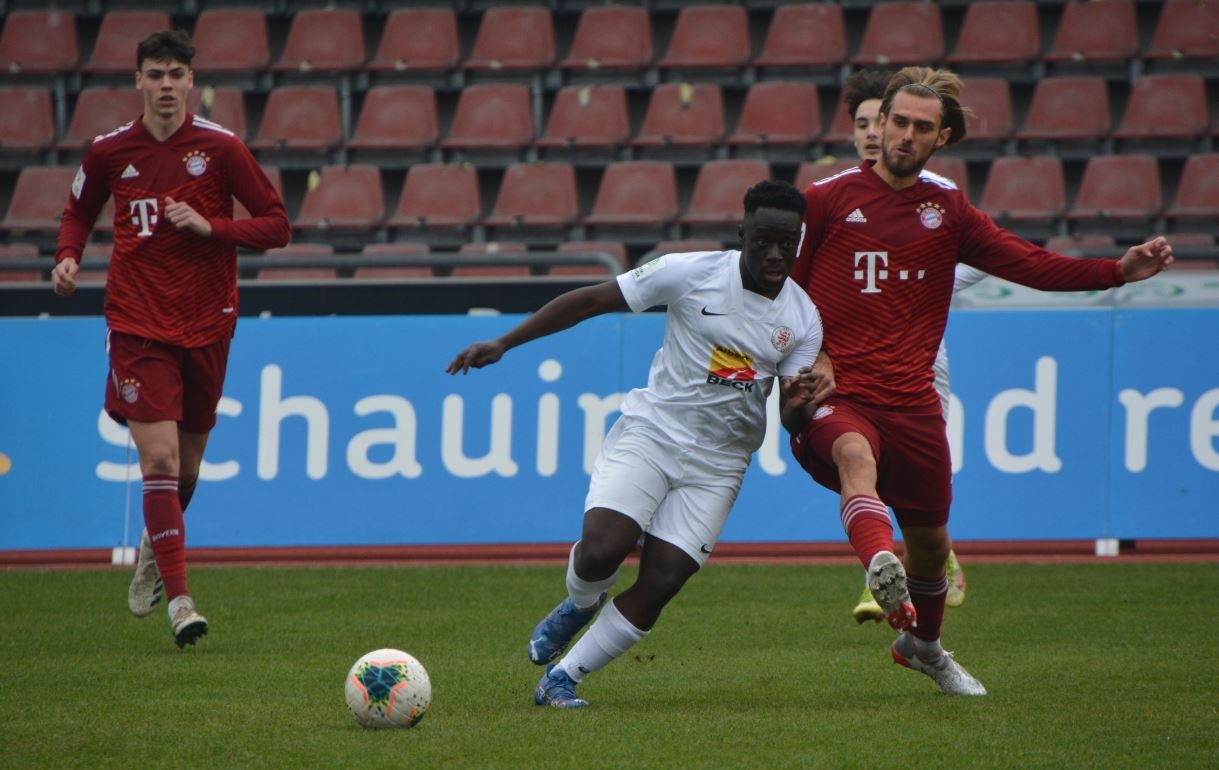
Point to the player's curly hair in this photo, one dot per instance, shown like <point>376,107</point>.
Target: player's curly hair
<point>940,84</point>
<point>862,86</point>
<point>167,45</point>
<point>775,195</point>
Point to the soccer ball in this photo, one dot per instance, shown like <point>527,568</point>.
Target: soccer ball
<point>388,688</point>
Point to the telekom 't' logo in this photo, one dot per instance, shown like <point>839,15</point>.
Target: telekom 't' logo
<point>875,268</point>
<point>144,215</point>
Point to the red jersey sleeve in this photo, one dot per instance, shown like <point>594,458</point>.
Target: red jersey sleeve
<point>814,232</point>
<point>85,200</point>
<point>267,227</point>
<point>989,247</point>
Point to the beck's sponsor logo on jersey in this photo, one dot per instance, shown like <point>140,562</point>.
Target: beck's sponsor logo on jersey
<point>731,368</point>
<point>196,162</point>
<point>931,215</point>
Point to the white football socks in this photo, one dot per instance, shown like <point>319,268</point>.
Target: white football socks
<point>609,637</point>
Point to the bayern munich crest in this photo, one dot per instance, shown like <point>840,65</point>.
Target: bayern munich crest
<point>931,215</point>
<point>129,391</point>
<point>782,338</point>
<point>196,163</point>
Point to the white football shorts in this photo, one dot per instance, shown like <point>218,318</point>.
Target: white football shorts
<point>681,495</point>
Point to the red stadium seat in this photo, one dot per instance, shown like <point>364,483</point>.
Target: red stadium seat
<point>952,168</point>
<point>720,189</point>
<point>805,36</point>
<point>816,170</point>
<point>998,33</point>
<point>392,250</point>
<point>683,114</point>
<point>1165,107</point>
<point>1067,108</point>
<point>231,41</point>
<point>323,40</point>
<point>14,251</point>
<point>680,246</point>
<point>1067,244</point>
<point>636,193</point>
<point>709,36</point>
<point>1187,30</point>
<point>39,199</point>
<point>519,38</point>
<point>1119,187</point>
<point>991,102</point>
<point>611,38</point>
<point>100,110</point>
<point>438,196</point>
<point>298,272</point>
<point>779,113</point>
<point>586,116</point>
<point>418,40</point>
<point>300,117</point>
<point>1197,197</point>
<point>1095,32</point>
<point>901,33</point>
<point>1023,189</point>
<point>27,122</point>
<point>613,248</point>
<point>491,116</point>
<point>841,130</point>
<point>536,195</point>
<point>40,42</point>
<point>225,106</point>
<point>490,269</point>
<point>348,198</point>
<point>397,117</point>
<point>118,36</point>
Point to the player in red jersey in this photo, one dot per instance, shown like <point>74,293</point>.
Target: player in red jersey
<point>878,260</point>
<point>171,294</point>
<point>861,94</point>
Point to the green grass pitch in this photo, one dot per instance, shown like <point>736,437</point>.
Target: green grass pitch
<point>1098,665</point>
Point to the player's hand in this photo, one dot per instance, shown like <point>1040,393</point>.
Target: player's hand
<point>476,356</point>
<point>183,217</point>
<point>823,371</point>
<point>63,277</point>
<point>1145,260</point>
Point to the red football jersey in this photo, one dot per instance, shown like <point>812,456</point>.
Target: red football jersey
<point>879,265</point>
<point>163,283</point>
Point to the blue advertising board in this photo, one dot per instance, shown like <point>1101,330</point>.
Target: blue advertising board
<point>1067,423</point>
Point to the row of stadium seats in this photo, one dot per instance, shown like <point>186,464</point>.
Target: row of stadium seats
<point>777,116</point>
<point>498,259</point>
<point>541,202</point>
<point>620,37</point>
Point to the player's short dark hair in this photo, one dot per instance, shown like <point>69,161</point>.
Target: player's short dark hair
<point>167,45</point>
<point>862,86</point>
<point>775,195</point>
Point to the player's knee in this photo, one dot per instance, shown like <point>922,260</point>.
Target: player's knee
<point>159,460</point>
<point>598,557</point>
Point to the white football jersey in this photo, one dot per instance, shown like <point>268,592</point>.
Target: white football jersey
<point>722,349</point>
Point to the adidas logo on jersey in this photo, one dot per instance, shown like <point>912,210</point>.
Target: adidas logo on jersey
<point>129,172</point>
<point>856,216</point>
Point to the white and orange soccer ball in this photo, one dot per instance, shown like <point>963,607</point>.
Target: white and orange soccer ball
<point>388,688</point>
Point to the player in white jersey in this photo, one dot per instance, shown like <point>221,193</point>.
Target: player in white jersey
<point>671,466</point>
<point>862,93</point>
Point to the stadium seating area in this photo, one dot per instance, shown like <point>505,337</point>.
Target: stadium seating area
<point>474,130</point>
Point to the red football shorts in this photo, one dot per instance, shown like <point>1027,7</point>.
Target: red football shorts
<point>151,381</point>
<point>913,464</point>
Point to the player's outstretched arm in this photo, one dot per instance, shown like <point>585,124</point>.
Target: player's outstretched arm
<point>1145,260</point>
<point>562,312</point>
